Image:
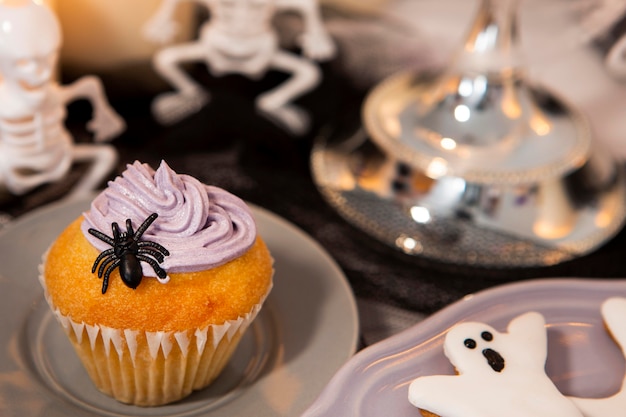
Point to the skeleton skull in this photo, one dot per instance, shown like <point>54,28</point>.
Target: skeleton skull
<point>27,56</point>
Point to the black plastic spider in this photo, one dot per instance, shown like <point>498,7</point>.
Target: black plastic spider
<point>127,252</point>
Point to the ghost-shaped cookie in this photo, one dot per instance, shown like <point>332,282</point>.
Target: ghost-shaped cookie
<point>499,374</point>
<point>614,316</point>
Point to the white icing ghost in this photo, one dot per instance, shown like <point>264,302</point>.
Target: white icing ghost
<point>614,314</point>
<point>499,374</point>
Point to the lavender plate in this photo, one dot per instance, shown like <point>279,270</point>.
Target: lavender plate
<point>582,359</point>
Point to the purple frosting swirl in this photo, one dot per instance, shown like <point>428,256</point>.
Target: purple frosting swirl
<point>201,226</point>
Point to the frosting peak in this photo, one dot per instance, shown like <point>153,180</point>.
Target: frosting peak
<point>202,226</point>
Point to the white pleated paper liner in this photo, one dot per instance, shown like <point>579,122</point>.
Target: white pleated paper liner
<point>152,368</point>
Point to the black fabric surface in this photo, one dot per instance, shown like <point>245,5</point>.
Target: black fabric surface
<point>227,144</point>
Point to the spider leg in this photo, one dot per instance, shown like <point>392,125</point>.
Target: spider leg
<point>106,263</point>
<point>100,257</point>
<point>157,269</point>
<point>116,232</point>
<point>129,229</point>
<point>153,247</point>
<point>105,282</point>
<point>101,236</point>
<point>151,252</point>
<point>146,223</point>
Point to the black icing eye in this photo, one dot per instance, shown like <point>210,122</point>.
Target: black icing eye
<point>487,336</point>
<point>470,343</point>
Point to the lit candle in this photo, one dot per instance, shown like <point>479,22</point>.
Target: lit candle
<point>104,36</point>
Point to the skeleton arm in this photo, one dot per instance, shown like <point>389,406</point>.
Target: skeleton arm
<point>105,123</point>
<point>161,27</point>
<point>315,41</point>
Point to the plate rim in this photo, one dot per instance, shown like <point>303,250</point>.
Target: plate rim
<point>438,323</point>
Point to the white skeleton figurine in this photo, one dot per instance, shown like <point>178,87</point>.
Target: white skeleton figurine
<point>597,17</point>
<point>35,147</point>
<point>239,38</point>
<point>616,59</point>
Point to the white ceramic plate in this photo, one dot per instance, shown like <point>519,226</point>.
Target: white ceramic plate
<point>307,329</point>
<point>582,359</point>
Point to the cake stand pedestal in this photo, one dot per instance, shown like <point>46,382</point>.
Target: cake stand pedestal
<point>473,164</point>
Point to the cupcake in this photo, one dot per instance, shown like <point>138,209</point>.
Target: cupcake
<point>156,283</point>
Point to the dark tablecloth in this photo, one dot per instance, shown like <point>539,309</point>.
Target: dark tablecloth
<point>227,144</point>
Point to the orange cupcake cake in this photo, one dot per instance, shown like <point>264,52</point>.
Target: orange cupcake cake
<point>156,284</point>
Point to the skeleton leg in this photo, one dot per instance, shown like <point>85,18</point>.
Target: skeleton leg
<point>20,177</point>
<point>21,184</point>
<point>25,183</point>
<point>3,180</point>
<point>616,59</point>
<point>276,103</point>
<point>189,97</point>
<point>103,157</point>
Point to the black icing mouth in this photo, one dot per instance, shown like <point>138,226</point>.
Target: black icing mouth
<point>494,359</point>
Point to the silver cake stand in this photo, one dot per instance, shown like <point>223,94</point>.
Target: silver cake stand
<point>473,164</point>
